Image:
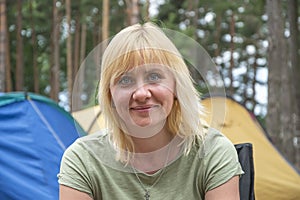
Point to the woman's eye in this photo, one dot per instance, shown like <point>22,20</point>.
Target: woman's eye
<point>125,81</point>
<point>154,77</point>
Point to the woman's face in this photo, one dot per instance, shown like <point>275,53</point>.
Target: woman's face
<point>143,98</point>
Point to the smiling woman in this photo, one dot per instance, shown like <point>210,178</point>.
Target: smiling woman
<point>154,144</point>
<point>144,94</point>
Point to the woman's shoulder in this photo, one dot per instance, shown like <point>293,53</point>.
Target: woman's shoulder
<point>89,142</point>
<point>213,135</point>
<point>213,141</point>
<point>99,136</point>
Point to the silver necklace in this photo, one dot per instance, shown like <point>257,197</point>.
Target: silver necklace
<point>147,190</point>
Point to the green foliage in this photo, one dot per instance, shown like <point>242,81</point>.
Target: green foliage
<point>40,19</point>
<point>206,21</point>
<point>213,31</point>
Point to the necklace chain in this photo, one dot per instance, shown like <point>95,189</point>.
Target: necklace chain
<point>147,190</point>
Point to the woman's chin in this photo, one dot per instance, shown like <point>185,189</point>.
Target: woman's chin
<point>143,123</point>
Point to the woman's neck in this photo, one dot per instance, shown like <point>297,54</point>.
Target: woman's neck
<point>151,144</point>
<point>154,153</point>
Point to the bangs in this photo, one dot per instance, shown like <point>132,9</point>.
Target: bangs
<point>138,58</point>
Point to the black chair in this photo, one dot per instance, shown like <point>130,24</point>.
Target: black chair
<point>245,154</point>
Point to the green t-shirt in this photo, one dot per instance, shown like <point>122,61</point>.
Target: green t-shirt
<point>85,167</point>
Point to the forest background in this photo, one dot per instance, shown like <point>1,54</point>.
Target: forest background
<point>254,44</point>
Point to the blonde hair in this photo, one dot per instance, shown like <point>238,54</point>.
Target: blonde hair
<point>144,44</point>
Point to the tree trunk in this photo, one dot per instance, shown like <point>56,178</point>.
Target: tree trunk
<point>132,11</point>
<point>295,77</point>
<point>3,49</point>
<point>19,53</point>
<point>105,22</point>
<point>8,78</point>
<point>83,42</point>
<point>69,52</point>
<point>78,104</point>
<point>55,68</point>
<point>254,82</point>
<point>217,35</point>
<point>147,13</point>
<point>36,84</point>
<point>96,38</point>
<point>286,106</point>
<point>232,34</point>
<point>76,55</point>
<point>275,63</point>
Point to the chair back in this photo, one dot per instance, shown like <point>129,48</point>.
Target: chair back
<point>245,154</point>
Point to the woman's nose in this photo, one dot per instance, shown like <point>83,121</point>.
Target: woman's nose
<point>141,94</point>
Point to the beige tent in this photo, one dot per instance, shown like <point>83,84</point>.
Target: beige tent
<point>275,179</point>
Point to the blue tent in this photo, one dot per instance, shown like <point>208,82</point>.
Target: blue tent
<point>34,132</point>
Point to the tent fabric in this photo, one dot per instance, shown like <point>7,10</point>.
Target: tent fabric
<point>90,119</point>
<point>34,133</point>
<point>274,177</point>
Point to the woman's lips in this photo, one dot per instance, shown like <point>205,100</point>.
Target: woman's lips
<point>143,108</point>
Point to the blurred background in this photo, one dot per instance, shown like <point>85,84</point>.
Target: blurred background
<point>254,44</point>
